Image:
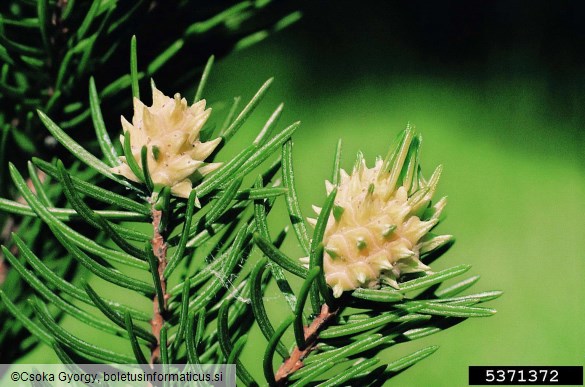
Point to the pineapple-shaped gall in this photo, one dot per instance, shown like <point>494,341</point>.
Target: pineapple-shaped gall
<point>170,131</point>
<point>379,226</point>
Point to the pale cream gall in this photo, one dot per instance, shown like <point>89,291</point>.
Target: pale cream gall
<point>380,224</point>
<point>170,130</point>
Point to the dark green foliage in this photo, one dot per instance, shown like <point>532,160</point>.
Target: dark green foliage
<point>48,51</point>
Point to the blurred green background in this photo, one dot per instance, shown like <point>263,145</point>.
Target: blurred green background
<point>497,91</point>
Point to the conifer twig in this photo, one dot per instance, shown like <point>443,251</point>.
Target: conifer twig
<point>295,361</point>
<point>3,270</point>
<point>159,247</point>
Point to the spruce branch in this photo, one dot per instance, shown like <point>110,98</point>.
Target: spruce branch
<point>354,325</point>
<point>363,272</point>
<point>223,208</point>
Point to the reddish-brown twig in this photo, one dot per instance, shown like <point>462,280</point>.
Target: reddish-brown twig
<point>159,247</point>
<point>295,361</point>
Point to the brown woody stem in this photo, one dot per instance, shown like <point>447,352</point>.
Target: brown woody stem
<point>159,248</point>
<point>295,361</point>
<point>3,270</point>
